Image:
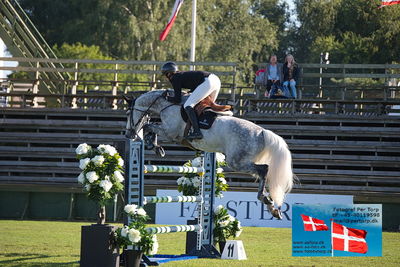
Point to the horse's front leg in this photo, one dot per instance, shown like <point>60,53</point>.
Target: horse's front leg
<point>156,128</point>
<point>151,132</point>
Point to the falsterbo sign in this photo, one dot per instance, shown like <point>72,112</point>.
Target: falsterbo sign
<point>244,206</point>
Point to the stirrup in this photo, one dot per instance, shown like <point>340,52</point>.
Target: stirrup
<point>194,135</point>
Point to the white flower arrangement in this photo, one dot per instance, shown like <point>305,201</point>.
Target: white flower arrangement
<point>219,157</point>
<point>101,175</point>
<point>135,233</point>
<point>82,149</point>
<point>225,225</point>
<point>189,184</point>
<point>83,163</point>
<point>98,160</point>
<point>107,149</point>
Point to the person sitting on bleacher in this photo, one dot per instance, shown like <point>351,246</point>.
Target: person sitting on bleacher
<point>290,75</point>
<point>273,74</point>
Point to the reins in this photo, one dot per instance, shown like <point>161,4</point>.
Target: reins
<point>168,107</point>
<point>145,112</point>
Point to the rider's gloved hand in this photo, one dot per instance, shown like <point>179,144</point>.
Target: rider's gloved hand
<point>165,94</point>
<point>172,99</point>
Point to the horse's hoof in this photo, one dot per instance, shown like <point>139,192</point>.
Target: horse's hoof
<point>160,151</point>
<point>130,134</point>
<point>149,147</point>
<point>277,214</point>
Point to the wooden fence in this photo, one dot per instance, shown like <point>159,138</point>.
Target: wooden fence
<point>83,76</point>
<point>115,76</point>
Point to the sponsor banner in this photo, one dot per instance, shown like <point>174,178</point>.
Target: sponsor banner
<point>244,206</point>
<point>337,230</point>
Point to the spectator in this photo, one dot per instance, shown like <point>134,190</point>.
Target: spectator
<point>273,74</point>
<point>290,74</point>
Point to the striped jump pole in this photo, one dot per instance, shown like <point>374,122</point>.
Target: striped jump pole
<point>172,169</point>
<point>170,199</point>
<point>205,200</point>
<point>173,229</point>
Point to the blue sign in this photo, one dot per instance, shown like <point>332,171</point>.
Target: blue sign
<point>245,207</point>
<point>337,230</point>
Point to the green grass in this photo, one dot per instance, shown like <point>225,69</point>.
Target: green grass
<point>49,243</point>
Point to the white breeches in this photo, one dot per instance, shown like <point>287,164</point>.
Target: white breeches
<point>210,86</point>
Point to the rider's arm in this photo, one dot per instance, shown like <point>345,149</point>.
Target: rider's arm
<point>176,84</point>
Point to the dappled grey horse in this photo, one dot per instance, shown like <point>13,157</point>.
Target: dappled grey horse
<point>248,147</point>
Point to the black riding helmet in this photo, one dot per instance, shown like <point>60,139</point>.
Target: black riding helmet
<point>169,67</point>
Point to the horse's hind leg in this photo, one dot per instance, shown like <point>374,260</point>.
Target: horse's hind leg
<point>259,171</point>
<point>267,200</point>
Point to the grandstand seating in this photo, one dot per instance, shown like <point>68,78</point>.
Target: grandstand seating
<point>336,153</point>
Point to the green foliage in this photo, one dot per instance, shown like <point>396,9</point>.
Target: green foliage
<point>351,31</point>
<point>316,18</point>
<point>227,30</point>
<point>238,33</point>
<point>189,184</point>
<point>135,234</point>
<point>81,51</point>
<point>225,225</point>
<point>245,32</point>
<point>276,12</point>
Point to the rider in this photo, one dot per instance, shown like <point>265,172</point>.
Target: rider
<point>200,83</point>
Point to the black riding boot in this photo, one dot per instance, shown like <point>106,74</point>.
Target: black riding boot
<point>196,134</point>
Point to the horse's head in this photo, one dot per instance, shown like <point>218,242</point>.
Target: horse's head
<point>140,109</point>
<point>130,132</point>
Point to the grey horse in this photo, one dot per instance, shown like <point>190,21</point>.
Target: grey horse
<point>248,147</point>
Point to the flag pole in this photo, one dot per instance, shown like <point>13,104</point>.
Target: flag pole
<point>193,43</point>
<point>332,237</point>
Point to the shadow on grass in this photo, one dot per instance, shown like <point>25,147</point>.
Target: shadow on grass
<point>18,259</point>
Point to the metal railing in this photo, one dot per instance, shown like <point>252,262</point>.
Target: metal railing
<point>114,76</point>
<point>23,39</point>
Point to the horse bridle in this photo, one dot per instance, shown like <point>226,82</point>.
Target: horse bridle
<point>145,117</point>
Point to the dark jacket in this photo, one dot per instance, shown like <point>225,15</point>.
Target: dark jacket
<point>295,74</point>
<point>188,80</point>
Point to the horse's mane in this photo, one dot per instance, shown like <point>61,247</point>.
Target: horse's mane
<point>151,94</point>
<point>156,92</point>
<point>148,97</point>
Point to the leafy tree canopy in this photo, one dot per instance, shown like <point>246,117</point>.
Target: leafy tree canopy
<point>245,31</point>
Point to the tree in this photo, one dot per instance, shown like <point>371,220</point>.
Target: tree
<point>316,18</point>
<point>227,30</point>
<point>277,13</point>
<point>352,31</point>
<point>238,33</point>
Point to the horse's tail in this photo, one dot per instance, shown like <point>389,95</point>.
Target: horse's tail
<point>280,174</point>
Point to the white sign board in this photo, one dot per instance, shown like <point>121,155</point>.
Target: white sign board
<point>234,250</point>
<point>244,206</point>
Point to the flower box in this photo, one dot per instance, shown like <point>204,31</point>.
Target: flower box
<point>97,248</point>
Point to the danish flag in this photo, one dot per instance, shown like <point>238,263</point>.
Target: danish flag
<point>313,224</point>
<point>348,239</point>
<point>389,3</point>
<point>175,10</point>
